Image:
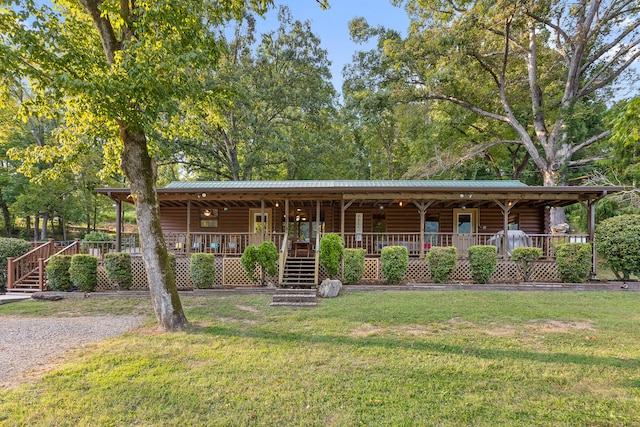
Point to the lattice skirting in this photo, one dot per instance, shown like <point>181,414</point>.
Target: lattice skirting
<point>229,272</point>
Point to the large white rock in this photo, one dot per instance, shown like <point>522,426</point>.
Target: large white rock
<point>329,288</point>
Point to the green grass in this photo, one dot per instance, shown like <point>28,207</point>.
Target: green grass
<point>378,358</point>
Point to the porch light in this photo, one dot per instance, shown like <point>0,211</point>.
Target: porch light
<point>225,209</point>
<point>277,204</point>
<point>206,212</point>
<point>463,207</point>
<point>401,203</point>
<point>381,207</point>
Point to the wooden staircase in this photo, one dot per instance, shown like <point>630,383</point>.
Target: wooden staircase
<point>31,283</point>
<point>299,273</point>
<point>298,287</point>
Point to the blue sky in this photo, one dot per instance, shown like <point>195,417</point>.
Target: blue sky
<point>332,25</point>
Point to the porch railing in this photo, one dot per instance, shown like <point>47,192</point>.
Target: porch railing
<point>374,242</point>
<point>217,243</point>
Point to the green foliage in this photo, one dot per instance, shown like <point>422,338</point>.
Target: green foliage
<point>98,236</point>
<point>118,268</point>
<point>353,265</point>
<point>331,250</point>
<point>58,276</point>
<point>573,261</point>
<point>84,272</point>
<point>525,259</point>
<point>618,241</point>
<point>249,260</point>
<point>268,257</point>
<point>265,256</point>
<point>482,262</point>
<point>10,248</point>
<point>394,261</point>
<point>173,262</point>
<point>442,261</point>
<point>202,269</point>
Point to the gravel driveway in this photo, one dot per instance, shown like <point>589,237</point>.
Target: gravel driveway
<point>28,344</point>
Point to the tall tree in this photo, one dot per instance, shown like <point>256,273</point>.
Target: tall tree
<point>486,57</point>
<point>274,94</point>
<point>118,66</point>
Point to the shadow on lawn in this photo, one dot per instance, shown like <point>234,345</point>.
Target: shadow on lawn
<point>418,345</point>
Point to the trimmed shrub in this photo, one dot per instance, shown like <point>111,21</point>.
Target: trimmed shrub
<point>248,260</point>
<point>618,242</point>
<point>573,261</point>
<point>118,268</point>
<point>98,236</point>
<point>173,262</point>
<point>482,262</point>
<point>202,270</point>
<point>353,265</point>
<point>58,275</point>
<point>442,261</point>
<point>394,261</point>
<point>268,258</point>
<point>525,259</point>
<point>84,272</point>
<point>331,250</point>
<point>265,255</point>
<point>10,248</point>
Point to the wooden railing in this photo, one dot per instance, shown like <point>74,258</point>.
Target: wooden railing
<point>374,242</point>
<point>217,243</point>
<point>22,267</point>
<point>317,260</point>
<point>282,258</point>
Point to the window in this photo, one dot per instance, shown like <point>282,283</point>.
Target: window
<point>514,221</point>
<point>208,218</point>
<point>379,223</point>
<point>431,230</point>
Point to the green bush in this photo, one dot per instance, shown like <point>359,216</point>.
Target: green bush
<point>394,261</point>
<point>331,250</point>
<point>482,262</point>
<point>249,259</point>
<point>265,255</point>
<point>618,241</point>
<point>442,261</point>
<point>58,275</point>
<point>10,248</point>
<point>525,259</point>
<point>84,272</point>
<point>353,265</point>
<point>202,270</point>
<point>98,236</point>
<point>173,262</point>
<point>118,268</point>
<point>268,258</point>
<point>573,261</point>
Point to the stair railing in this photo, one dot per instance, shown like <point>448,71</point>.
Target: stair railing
<point>20,268</point>
<point>316,269</point>
<point>283,257</point>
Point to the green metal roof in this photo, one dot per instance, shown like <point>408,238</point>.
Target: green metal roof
<point>342,184</point>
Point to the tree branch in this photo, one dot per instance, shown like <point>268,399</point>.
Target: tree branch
<point>590,141</point>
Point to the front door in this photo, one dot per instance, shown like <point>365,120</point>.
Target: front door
<point>260,226</point>
<point>465,227</point>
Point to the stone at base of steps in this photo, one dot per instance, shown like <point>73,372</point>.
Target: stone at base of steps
<point>295,298</point>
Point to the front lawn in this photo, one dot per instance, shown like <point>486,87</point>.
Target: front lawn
<point>375,358</point>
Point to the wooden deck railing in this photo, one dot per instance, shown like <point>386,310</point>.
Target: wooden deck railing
<point>217,243</point>
<point>374,242</point>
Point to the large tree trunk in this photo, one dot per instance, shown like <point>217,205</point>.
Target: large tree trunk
<point>141,172</point>
<point>6,215</point>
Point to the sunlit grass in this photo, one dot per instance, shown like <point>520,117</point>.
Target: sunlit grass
<point>377,358</point>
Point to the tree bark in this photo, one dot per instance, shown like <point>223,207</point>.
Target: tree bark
<point>140,170</point>
<point>6,215</point>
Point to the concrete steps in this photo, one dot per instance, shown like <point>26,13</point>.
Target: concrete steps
<point>295,298</point>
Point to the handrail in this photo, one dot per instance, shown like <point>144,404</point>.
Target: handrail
<point>316,270</point>
<point>72,249</point>
<point>283,257</point>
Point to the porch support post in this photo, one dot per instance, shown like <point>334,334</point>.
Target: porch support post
<point>422,208</point>
<point>343,209</point>
<point>506,208</point>
<point>286,216</point>
<point>118,225</point>
<point>591,229</point>
<point>262,222</point>
<point>318,202</point>
<point>188,237</point>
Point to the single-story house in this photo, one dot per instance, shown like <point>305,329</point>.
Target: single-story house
<point>225,217</point>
